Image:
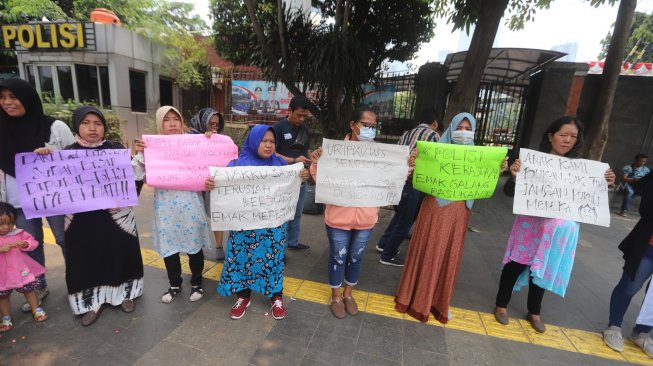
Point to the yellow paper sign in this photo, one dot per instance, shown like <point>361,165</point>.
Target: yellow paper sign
<point>457,172</point>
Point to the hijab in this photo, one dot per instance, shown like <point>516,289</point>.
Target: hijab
<point>446,138</point>
<point>78,117</point>
<point>249,152</point>
<point>161,112</point>
<point>26,133</point>
<point>200,121</point>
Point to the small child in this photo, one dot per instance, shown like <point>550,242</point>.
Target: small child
<point>179,223</point>
<point>17,270</point>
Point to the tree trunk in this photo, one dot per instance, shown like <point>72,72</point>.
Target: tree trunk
<point>466,87</point>
<point>597,131</point>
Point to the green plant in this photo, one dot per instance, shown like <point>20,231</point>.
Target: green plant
<point>63,111</point>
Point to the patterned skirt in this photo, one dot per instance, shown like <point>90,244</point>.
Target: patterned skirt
<point>254,260</point>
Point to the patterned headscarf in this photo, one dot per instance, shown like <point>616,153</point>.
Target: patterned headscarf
<point>200,121</point>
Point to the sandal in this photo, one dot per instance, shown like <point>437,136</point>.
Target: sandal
<point>196,293</point>
<point>40,315</point>
<point>169,295</point>
<point>6,324</point>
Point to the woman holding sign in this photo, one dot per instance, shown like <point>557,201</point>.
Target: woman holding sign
<point>209,121</point>
<point>540,251</point>
<point>103,254</point>
<point>255,258</point>
<point>24,128</point>
<point>436,247</point>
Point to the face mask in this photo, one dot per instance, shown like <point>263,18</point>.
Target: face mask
<point>367,134</point>
<point>462,137</point>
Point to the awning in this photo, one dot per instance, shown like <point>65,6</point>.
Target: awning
<point>505,65</point>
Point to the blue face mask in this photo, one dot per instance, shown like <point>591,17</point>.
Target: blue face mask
<point>366,134</point>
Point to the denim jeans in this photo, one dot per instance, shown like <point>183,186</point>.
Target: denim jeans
<point>402,220</point>
<point>626,289</point>
<point>629,193</point>
<point>346,248</point>
<point>294,224</point>
<point>35,228</point>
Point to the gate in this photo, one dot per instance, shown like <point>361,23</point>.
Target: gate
<point>499,112</point>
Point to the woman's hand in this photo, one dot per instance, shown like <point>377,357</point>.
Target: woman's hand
<point>209,184</point>
<point>515,167</point>
<point>208,134</point>
<point>315,155</point>
<point>21,244</point>
<point>610,177</point>
<point>304,174</point>
<point>114,211</point>
<point>43,150</point>
<point>504,165</point>
<point>412,157</point>
<point>139,145</point>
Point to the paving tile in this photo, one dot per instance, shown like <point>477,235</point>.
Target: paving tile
<point>348,327</point>
<point>424,337</point>
<point>279,349</point>
<point>38,357</point>
<point>143,334</point>
<point>379,342</point>
<point>331,347</point>
<point>307,306</point>
<point>298,324</point>
<point>373,321</point>
<point>169,353</point>
<point>382,305</point>
<point>361,359</point>
<point>310,362</point>
<point>420,357</point>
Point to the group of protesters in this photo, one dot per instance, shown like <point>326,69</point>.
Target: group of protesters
<point>102,251</point>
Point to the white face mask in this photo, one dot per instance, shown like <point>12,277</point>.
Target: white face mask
<point>367,134</point>
<point>462,137</point>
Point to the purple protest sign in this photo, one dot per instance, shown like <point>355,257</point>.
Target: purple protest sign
<point>71,181</point>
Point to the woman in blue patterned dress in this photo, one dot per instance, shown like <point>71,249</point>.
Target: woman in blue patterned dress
<point>254,258</point>
<point>179,223</point>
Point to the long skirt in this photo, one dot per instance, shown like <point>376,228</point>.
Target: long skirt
<point>431,268</point>
<point>103,259</point>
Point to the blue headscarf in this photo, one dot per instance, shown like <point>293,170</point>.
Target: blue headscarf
<point>249,152</point>
<point>446,138</point>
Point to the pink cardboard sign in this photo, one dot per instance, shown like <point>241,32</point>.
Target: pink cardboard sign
<point>71,181</point>
<point>182,161</point>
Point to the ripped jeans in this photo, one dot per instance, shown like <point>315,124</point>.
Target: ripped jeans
<point>346,248</point>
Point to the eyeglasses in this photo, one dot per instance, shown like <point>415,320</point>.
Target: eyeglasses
<point>367,124</point>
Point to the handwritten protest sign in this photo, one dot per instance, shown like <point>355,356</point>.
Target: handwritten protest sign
<point>558,187</point>
<point>645,316</point>
<point>457,172</point>
<point>254,197</point>
<point>361,174</point>
<point>71,181</point>
<point>182,161</point>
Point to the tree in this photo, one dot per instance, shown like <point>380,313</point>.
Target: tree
<point>640,40</point>
<point>597,131</point>
<point>336,51</point>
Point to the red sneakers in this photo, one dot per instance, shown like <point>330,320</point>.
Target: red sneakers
<point>278,310</point>
<point>238,310</point>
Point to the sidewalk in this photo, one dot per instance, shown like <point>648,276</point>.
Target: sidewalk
<point>201,333</point>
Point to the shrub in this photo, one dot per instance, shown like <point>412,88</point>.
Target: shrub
<point>64,110</point>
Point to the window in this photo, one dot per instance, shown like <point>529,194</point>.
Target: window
<point>65,76</point>
<point>87,83</point>
<point>137,90</point>
<point>29,72</point>
<point>165,92</point>
<point>104,86</point>
<point>45,81</point>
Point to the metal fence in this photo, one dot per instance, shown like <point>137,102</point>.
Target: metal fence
<point>499,112</point>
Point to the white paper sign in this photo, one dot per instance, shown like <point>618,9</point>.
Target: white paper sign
<point>361,174</point>
<point>562,188</point>
<point>645,316</point>
<point>254,197</point>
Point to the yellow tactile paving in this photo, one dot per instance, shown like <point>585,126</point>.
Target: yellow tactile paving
<point>591,344</point>
<point>382,305</point>
<point>567,339</point>
<point>553,337</point>
<point>48,237</point>
<point>314,291</point>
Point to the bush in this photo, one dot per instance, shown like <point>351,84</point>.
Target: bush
<point>64,112</point>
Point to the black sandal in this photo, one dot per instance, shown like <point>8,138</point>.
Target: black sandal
<point>169,295</point>
<point>196,293</point>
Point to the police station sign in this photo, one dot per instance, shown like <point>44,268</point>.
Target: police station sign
<point>47,36</point>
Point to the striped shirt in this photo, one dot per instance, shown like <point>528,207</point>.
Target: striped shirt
<point>420,133</point>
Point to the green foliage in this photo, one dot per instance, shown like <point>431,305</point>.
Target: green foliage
<point>642,31</point>
<point>64,110</point>
<point>20,11</point>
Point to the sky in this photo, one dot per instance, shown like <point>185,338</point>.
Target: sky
<point>565,22</point>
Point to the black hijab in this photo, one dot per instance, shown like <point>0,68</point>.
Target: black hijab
<point>26,133</point>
